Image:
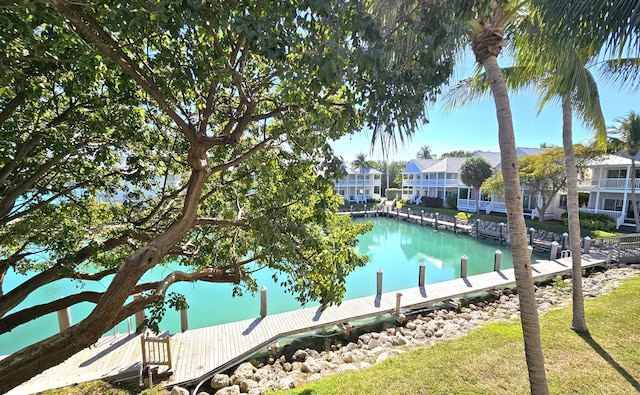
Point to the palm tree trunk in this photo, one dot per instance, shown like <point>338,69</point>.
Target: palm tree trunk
<point>578,322</point>
<point>634,203</point>
<point>517,229</point>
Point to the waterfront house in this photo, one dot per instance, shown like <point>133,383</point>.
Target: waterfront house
<point>440,178</point>
<point>609,186</point>
<point>359,185</point>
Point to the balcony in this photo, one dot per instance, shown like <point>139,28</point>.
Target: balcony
<point>430,183</point>
<point>621,184</point>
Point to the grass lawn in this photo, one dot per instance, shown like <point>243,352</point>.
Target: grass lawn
<point>491,359</point>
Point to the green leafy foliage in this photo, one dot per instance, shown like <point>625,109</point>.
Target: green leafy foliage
<point>593,221</point>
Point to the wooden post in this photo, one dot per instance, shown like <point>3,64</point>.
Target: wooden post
<point>422,274</point>
<point>565,235</point>
<point>464,261</point>
<point>184,319</point>
<point>435,223</point>
<point>421,216</point>
<point>397,214</point>
<point>477,228</point>
<point>139,314</point>
<point>497,260</point>
<point>586,245</point>
<point>531,231</point>
<point>530,252</point>
<point>409,214</point>
<point>379,282</point>
<point>398,297</point>
<point>501,230</point>
<point>64,319</point>
<point>553,254</point>
<point>365,211</point>
<point>455,224</point>
<point>263,301</point>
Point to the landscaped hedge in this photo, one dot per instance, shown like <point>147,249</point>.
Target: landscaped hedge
<point>434,202</point>
<point>452,201</point>
<point>593,221</point>
<point>393,193</point>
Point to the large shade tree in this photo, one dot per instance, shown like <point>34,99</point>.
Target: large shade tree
<point>142,133</point>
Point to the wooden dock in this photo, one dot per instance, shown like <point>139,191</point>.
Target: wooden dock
<point>198,353</point>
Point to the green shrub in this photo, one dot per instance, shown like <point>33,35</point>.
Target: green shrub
<point>452,201</point>
<point>393,193</point>
<point>593,221</point>
<point>434,202</point>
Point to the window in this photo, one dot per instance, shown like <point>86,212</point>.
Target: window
<point>617,173</point>
<point>613,204</point>
<point>563,201</point>
<point>464,194</point>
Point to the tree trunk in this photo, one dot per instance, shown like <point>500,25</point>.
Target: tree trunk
<point>634,203</point>
<point>578,322</point>
<point>517,229</point>
<point>26,363</point>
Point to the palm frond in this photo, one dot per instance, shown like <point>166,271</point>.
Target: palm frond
<point>624,72</point>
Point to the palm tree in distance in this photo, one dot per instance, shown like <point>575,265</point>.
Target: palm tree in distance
<point>362,165</point>
<point>629,141</point>
<point>425,153</point>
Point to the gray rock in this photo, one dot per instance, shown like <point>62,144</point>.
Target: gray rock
<point>232,390</point>
<point>300,356</point>
<point>220,381</point>
<point>247,385</point>
<point>311,365</point>
<point>179,391</point>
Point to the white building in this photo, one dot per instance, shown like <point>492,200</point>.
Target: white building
<point>609,188</point>
<point>359,185</point>
<point>440,178</point>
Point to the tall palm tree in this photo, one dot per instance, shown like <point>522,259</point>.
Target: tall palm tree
<point>424,153</point>
<point>487,42</point>
<point>362,165</point>
<point>629,138</point>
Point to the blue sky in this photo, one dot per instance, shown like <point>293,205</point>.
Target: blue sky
<point>474,127</point>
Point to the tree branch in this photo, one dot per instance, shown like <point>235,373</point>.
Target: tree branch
<point>12,321</point>
<point>11,106</point>
<point>90,30</point>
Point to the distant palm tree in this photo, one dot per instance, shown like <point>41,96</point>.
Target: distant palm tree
<point>362,164</point>
<point>424,153</point>
<point>629,140</point>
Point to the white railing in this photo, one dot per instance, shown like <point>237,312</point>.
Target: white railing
<point>608,183</point>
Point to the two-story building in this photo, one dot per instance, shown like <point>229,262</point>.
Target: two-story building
<point>440,178</point>
<point>609,186</point>
<point>359,185</point>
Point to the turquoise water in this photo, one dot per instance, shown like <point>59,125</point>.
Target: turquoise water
<point>397,248</point>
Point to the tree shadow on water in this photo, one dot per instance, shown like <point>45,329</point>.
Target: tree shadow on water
<point>607,357</point>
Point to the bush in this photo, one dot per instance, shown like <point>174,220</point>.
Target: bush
<point>452,201</point>
<point>593,221</point>
<point>434,202</point>
<point>393,193</point>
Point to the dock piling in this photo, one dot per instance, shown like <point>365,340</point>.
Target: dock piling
<point>586,245</point>
<point>464,263</point>
<point>553,254</point>
<point>497,261</point>
<point>64,319</point>
<point>184,319</point>
<point>263,301</point>
<point>422,274</point>
<point>139,314</point>
<point>379,282</point>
